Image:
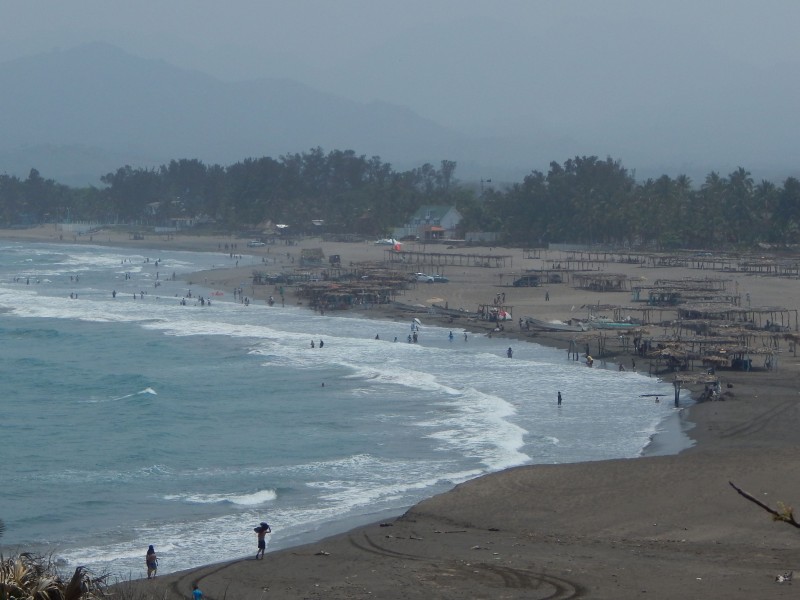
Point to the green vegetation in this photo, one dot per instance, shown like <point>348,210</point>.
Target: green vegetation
<point>350,193</point>
<point>583,200</point>
<point>30,577</point>
<point>591,200</point>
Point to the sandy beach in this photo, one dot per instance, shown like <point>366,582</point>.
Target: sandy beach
<point>654,526</point>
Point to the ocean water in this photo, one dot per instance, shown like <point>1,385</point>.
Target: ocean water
<point>127,422</point>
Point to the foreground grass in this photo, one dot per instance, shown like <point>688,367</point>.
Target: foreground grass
<point>28,576</point>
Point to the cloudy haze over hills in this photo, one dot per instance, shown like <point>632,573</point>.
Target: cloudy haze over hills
<point>501,88</point>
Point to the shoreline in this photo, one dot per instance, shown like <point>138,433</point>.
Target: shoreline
<point>673,434</point>
<point>661,523</point>
<point>674,437</point>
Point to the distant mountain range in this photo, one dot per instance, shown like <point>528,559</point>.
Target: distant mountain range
<point>80,113</point>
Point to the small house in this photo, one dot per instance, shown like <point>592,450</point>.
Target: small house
<point>431,222</point>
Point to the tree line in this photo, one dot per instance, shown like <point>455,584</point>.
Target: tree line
<point>583,200</point>
<point>598,201</point>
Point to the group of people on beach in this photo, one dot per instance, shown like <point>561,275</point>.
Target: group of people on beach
<point>151,558</point>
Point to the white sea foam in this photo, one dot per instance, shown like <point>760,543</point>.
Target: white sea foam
<point>146,391</point>
<point>252,499</point>
<point>344,496</point>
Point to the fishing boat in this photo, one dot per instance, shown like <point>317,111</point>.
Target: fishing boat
<point>555,325</point>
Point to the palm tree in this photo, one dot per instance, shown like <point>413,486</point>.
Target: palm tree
<point>738,205</point>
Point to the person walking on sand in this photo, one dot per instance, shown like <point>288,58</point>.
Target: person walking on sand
<point>151,560</point>
<point>196,593</point>
<point>261,531</point>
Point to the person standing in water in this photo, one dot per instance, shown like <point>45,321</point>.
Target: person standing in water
<point>559,398</point>
<point>151,560</point>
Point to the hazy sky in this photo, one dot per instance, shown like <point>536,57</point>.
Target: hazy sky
<point>237,37</point>
<point>543,68</point>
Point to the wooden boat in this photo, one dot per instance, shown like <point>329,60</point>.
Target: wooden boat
<point>555,326</point>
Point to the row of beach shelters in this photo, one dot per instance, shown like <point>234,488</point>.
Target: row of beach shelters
<point>680,351</point>
<point>424,259</point>
<point>768,318</point>
<point>729,262</point>
<point>330,295</point>
<point>671,292</point>
<point>601,282</point>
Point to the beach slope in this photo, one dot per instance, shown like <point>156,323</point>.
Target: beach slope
<point>656,527</point>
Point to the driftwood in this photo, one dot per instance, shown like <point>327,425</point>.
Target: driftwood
<point>785,513</point>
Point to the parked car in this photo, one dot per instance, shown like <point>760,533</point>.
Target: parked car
<point>255,244</point>
<point>440,279</point>
<point>423,277</point>
<point>527,281</point>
